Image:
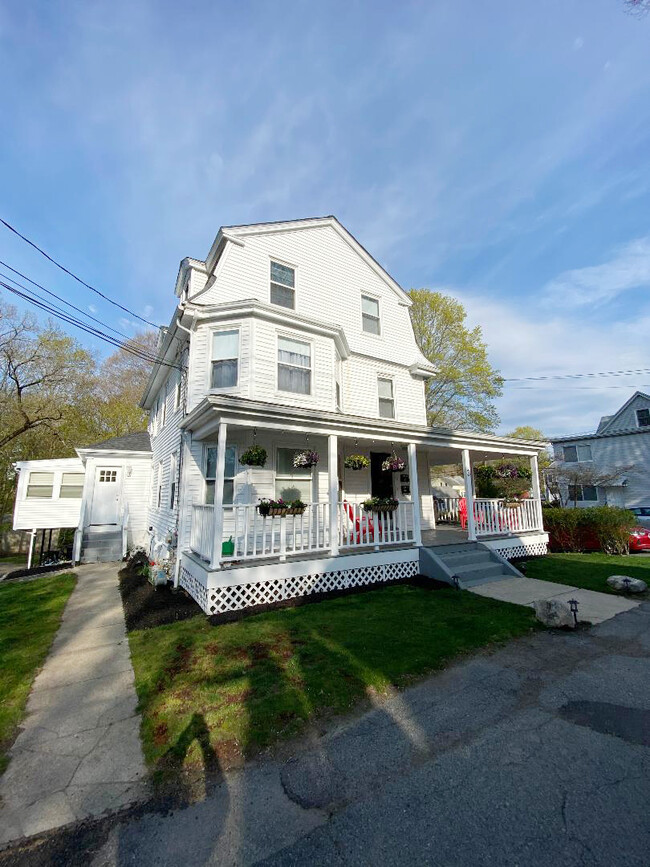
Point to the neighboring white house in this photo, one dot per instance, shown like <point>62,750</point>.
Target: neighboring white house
<point>291,337</point>
<point>622,440</point>
<point>103,495</point>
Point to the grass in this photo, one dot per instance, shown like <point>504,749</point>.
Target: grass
<point>212,695</point>
<point>30,613</point>
<point>589,571</point>
<point>13,559</point>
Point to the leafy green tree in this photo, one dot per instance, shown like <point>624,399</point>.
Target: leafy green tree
<point>463,392</point>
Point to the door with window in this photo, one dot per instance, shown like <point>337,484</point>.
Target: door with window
<point>106,496</point>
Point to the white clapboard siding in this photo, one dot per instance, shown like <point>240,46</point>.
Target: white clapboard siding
<point>625,418</point>
<point>46,513</point>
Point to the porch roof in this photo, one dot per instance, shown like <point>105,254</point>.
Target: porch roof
<point>204,420</point>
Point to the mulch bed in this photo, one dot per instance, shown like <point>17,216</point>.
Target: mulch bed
<point>146,607</point>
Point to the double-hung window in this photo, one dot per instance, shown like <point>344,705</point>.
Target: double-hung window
<point>643,417</point>
<point>40,485</point>
<point>177,392</point>
<point>283,285</point>
<point>294,365</point>
<point>173,471</point>
<point>370,315</point>
<point>72,485</point>
<point>229,472</point>
<point>583,493</point>
<point>386,398</point>
<point>225,358</point>
<point>160,484</point>
<point>577,454</point>
<point>291,483</point>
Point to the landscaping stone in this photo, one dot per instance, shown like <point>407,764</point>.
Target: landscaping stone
<point>554,613</point>
<point>627,584</point>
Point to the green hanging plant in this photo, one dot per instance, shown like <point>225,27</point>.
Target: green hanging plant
<point>356,462</point>
<point>255,456</point>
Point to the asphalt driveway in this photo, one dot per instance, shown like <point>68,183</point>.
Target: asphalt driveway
<point>536,754</point>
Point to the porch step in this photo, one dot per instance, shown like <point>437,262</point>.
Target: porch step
<point>465,565</point>
<point>101,545</point>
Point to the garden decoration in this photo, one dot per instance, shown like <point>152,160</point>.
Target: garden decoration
<point>306,459</point>
<point>279,508</point>
<point>255,456</point>
<point>356,462</point>
<point>393,464</point>
<point>380,504</point>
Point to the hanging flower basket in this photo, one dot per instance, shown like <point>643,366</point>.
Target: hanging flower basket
<point>255,456</point>
<point>306,459</point>
<point>380,504</point>
<point>393,464</point>
<point>356,462</point>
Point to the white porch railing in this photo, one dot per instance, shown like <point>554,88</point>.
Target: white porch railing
<point>202,531</point>
<point>447,510</point>
<point>497,518</point>
<point>359,529</point>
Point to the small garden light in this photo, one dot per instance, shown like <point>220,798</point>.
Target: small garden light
<point>573,605</point>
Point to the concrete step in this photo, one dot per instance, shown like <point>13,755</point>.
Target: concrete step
<point>482,570</point>
<point>480,578</point>
<point>459,559</point>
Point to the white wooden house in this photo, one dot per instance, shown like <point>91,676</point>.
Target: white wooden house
<point>291,337</point>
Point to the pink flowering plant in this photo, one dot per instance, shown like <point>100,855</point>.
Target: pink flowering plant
<point>393,464</point>
<point>306,459</point>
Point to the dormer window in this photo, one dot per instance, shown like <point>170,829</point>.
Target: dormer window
<point>370,314</point>
<point>283,285</point>
<point>643,417</point>
<point>225,358</point>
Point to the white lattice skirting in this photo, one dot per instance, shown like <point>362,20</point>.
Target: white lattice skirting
<point>235,597</point>
<point>536,546</point>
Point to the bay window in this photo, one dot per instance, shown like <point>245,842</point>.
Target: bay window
<point>294,366</point>
<point>386,398</point>
<point>225,358</point>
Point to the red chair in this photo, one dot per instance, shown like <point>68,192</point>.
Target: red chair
<point>364,527</point>
<point>462,512</point>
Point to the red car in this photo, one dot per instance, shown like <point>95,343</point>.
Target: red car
<point>640,539</point>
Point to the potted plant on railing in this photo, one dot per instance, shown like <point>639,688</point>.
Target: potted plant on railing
<point>296,507</point>
<point>380,504</point>
<point>267,507</point>
<point>306,459</point>
<point>255,456</point>
<point>512,482</point>
<point>393,464</point>
<point>356,462</point>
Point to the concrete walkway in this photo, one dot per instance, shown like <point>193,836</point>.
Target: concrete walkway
<point>79,752</point>
<point>593,607</point>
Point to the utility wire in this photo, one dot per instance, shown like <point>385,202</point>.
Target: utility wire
<point>577,375</point>
<point>74,276</point>
<point>57,313</point>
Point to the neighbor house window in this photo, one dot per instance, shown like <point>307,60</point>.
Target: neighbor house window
<point>40,485</point>
<point>283,285</point>
<point>160,484</point>
<point>291,483</point>
<point>370,314</point>
<point>225,359</point>
<point>386,398</point>
<point>72,485</point>
<point>573,454</point>
<point>173,470</point>
<point>643,417</point>
<point>582,493</point>
<point>229,472</point>
<point>294,366</point>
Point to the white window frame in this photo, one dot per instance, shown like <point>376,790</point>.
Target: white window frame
<point>578,459</point>
<point>178,391</point>
<point>226,478</point>
<point>41,473</point>
<point>62,486</point>
<point>376,298</point>
<point>165,391</point>
<point>232,326</point>
<point>295,478</point>
<point>638,423</point>
<point>581,498</point>
<point>160,485</point>
<point>173,481</point>
<point>288,335</point>
<point>390,379</point>
<point>284,264</point>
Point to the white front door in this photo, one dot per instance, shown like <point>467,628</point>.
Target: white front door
<point>106,496</point>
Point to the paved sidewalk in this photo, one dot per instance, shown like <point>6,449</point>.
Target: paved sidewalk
<point>593,607</point>
<point>79,752</point>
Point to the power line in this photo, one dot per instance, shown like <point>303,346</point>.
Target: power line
<point>74,276</point>
<point>639,370</point>
<point>64,317</point>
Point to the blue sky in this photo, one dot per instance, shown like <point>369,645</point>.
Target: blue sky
<point>499,152</point>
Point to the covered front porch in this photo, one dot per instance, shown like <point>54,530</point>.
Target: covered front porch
<point>225,529</point>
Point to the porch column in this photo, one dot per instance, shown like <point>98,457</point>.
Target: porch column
<point>537,496</point>
<point>217,536</point>
<point>469,495</point>
<point>333,491</point>
<point>415,495</point>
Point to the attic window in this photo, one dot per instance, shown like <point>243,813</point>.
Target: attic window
<point>283,285</point>
<point>643,417</point>
<point>370,314</point>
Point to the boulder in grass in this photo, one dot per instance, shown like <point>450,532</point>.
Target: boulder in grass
<point>554,613</point>
<point>626,584</point>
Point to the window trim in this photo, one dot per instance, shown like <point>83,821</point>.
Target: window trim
<point>227,389</point>
<point>173,481</point>
<point>376,298</point>
<point>390,379</point>
<point>178,391</point>
<point>41,472</point>
<point>288,335</point>
<point>284,264</point>
<point>309,478</point>
<point>206,448</point>
<point>638,424</point>
<point>578,459</point>
<point>61,485</point>
<point>160,477</point>
<point>581,498</point>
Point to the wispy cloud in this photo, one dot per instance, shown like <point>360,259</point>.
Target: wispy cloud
<point>628,269</point>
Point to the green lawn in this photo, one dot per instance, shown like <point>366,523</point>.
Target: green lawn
<point>30,613</point>
<point>13,560</point>
<point>588,571</point>
<point>213,694</point>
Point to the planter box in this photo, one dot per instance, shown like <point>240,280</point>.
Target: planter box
<point>279,513</point>
<point>376,511</point>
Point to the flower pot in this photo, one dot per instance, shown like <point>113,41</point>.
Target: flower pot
<point>296,511</point>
